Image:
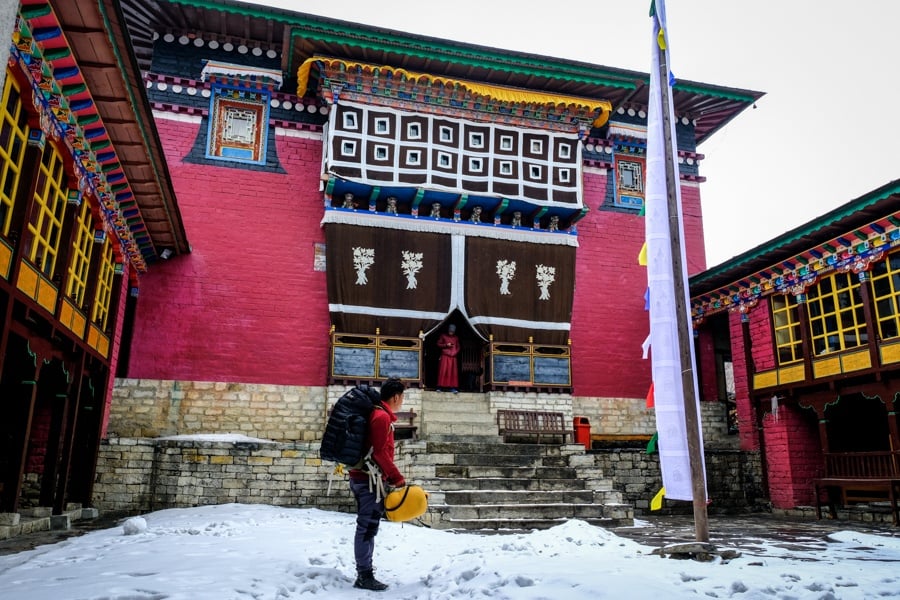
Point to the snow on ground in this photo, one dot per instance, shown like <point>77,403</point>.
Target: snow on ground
<point>264,552</point>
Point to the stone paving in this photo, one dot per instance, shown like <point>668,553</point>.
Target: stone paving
<point>748,532</point>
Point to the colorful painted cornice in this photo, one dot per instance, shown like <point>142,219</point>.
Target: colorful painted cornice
<point>69,114</point>
<point>400,88</point>
<point>854,251</point>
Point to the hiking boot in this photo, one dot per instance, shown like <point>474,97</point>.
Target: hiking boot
<point>365,580</point>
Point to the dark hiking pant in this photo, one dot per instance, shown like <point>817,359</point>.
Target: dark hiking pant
<point>368,516</point>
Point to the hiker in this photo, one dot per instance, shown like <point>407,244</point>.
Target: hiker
<point>371,485</point>
<point>448,377</point>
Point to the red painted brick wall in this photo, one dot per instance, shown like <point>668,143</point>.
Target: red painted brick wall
<point>706,367</point>
<point>793,456</point>
<point>245,305</point>
<point>249,282</point>
<point>746,412</point>
<point>39,436</point>
<point>609,322</point>
<point>761,337</point>
<point>115,345</point>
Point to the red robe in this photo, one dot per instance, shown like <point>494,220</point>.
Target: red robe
<point>448,377</point>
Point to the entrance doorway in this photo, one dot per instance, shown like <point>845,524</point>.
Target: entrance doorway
<point>469,361</point>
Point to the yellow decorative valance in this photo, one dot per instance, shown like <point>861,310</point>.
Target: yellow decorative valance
<point>494,92</point>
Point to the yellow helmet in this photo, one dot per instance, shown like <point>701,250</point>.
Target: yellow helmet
<point>406,503</point>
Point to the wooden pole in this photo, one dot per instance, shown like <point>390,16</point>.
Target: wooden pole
<point>685,338</point>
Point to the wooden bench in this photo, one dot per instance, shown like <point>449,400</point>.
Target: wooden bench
<point>847,491</point>
<point>405,427</point>
<point>532,423</point>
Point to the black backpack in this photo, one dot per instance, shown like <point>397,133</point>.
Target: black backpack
<point>345,435</point>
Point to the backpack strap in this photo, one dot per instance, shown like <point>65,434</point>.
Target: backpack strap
<point>376,481</point>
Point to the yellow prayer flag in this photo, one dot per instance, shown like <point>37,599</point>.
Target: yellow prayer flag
<point>642,255</point>
<point>657,501</point>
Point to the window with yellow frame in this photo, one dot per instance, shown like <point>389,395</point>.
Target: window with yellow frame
<point>45,224</point>
<point>786,322</point>
<point>13,136</point>
<point>80,263</point>
<point>836,317</point>
<point>100,313</point>
<point>886,295</point>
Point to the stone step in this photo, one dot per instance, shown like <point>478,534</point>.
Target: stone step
<point>458,428</point>
<point>497,460</point>
<point>503,483</point>
<point>479,447</point>
<point>513,526</point>
<point>516,511</point>
<point>509,472</point>
<point>518,497</point>
<point>490,438</point>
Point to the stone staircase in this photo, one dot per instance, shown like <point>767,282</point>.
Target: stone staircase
<point>478,482</point>
<point>445,415</point>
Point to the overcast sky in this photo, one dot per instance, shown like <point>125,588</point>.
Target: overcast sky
<point>827,131</point>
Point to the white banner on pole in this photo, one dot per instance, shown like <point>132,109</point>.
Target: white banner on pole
<point>664,335</point>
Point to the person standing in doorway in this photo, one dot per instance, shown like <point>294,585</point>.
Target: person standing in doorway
<point>448,372</point>
<point>370,485</point>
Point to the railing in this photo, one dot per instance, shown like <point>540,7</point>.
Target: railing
<point>360,357</point>
<point>862,465</point>
<point>527,365</point>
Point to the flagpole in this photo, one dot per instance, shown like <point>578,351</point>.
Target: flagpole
<point>691,418</point>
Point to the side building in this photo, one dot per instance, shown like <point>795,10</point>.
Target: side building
<point>86,208</point>
<point>809,324</point>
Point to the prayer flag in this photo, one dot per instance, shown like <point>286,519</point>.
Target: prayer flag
<point>657,501</point>
<point>666,366</point>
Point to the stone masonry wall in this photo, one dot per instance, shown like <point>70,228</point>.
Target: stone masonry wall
<point>149,408</point>
<point>160,452</point>
<point>141,475</point>
<point>734,480</point>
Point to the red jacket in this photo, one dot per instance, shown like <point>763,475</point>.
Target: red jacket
<point>381,439</point>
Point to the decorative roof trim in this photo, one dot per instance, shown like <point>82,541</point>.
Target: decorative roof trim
<point>67,110</point>
<point>806,230</point>
<point>496,93</point>
<point>214,71</point>
<point>322,29</point>
<point>855,251</point>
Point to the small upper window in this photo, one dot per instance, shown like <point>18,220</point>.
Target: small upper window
<point>565,151</point>
<point>534,171</point>
<point>506,142</point>
<point>414,131</point>
<point>444,160</point>
<point>537,146</point>
<point>350,120</point>
<point>413,157</point>
<point>382,126</point>
<point>348,148</point>
<point>564,175</point>
<point>381,152</point>
<point>506,167</point>
<point>476,140</point>
<point>445,134</point>
<point>475,165</point>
